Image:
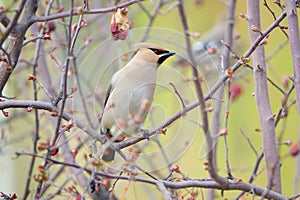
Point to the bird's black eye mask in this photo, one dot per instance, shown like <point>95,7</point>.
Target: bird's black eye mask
<point>158,51</point>
<point>163,54</point>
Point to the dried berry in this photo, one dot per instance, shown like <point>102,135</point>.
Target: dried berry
<point>54,151</point>
<point>236,90</point>
<point>51,26</point>
<point>122,34</point>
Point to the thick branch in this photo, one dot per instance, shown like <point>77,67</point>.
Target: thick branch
<point>205,126</point>
<point>263,100</point>
<point>17,32</point>
<point>294,44</point>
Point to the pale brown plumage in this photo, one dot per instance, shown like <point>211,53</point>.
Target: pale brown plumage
<point>130,94</point>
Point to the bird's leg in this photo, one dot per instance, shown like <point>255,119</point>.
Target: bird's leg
<point>111,149</point>
<point>146,133</point>
<point>117,149</point>
<point>229,176</point>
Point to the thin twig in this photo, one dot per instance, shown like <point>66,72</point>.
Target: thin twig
<point>44,89</point>
<point>253,174</point>
<point>7,56</point>
<point>205,126</point>
<point>283,105</point>
<point>64,82</point>
<point>13,22</point>
<point>159,4</point>
<point>249,142</point>
<point>274,16</point>
<point>178,95</point>
<point>205,183</point>
<point>216,122</point>
<point>82,98</point>
<point>42,36</point>
<point>226,127</point>
<point>275,51</point>
<point>76,12</point>
<point>269,9</point>
<point>270,80</point>
<point>36,133</point>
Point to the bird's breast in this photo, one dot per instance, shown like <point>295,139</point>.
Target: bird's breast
<point>130,100</point>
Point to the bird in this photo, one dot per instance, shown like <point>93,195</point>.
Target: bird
<point>130,94</point>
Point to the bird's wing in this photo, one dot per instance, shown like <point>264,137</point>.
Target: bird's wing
<point>108,92</point>
<point>111,87</point>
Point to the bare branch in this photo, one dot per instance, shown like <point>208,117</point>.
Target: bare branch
<point>49,107</point>
<point>13,22</point>
<point>178,94</point>
<point>295,45</point>
<point>205,126</point>
<point>17,32</point>
<point>158,6</point>
<point>249,142</point>
<point>263,100</point>
<point>164,190</point>
<point>203,183</point>
<point>91,11</point>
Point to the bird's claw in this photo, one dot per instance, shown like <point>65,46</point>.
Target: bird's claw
<point>146,134</point>
<point>229,176</point>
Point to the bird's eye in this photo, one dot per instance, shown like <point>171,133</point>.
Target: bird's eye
<point>158,51</point>
<point>155,51</point>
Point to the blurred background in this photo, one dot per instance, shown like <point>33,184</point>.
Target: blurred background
<point>98,57</point>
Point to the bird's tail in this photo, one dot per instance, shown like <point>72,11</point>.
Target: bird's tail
<point>108,155</point>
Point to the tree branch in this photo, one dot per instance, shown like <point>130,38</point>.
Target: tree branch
<point>75,12</point>
<point>197,183</point>
<point>17,32</point>
<point>263,100</point>
<point>49,107</point>
<point>294,45</point>
<point>205,125</point>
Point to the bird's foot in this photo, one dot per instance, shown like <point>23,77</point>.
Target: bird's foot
<point>230,177</point>
<point>146,133</point>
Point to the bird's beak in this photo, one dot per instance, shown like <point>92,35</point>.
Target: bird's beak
<point>168,54</point>
<point>164,56</point>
